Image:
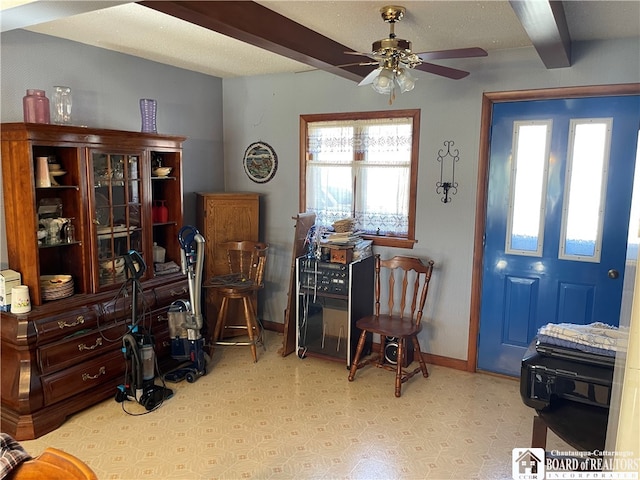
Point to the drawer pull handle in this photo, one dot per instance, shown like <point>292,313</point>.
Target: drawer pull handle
<point>86,376</point>
<point>175,293</point>
<point>162,318</point>
<point>82,346</point>
<point>79,321</point>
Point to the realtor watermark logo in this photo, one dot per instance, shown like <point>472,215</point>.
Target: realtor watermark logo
<point>537,464</point>
<point>528,463</point>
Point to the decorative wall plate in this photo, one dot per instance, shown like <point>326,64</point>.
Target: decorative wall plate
<point>260,162</point>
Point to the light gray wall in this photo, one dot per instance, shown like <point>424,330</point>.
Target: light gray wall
<point>106,87</point>
<point>268,108</point>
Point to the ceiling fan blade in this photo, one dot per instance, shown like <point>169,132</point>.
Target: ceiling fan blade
<point>333,68</point>
<point>369,78</point>
<point>360,54</point>
<point>443,71</point>
<point>361,64</point>
<point>372,56</point>
<point>455,53</point>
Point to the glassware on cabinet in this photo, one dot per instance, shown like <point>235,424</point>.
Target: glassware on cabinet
<point>70,232</point>
<point>35,106</point>
<point>160,212</point>
<point>148,108</point>
<point>62,105</point>
<point>42,172</point>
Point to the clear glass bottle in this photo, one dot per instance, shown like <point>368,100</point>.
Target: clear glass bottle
<point>35,105</point>
<point>62,105</point>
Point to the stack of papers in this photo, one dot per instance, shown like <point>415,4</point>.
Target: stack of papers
<point>342,238</point>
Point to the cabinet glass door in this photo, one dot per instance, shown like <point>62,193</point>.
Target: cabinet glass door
<point>117,213</point>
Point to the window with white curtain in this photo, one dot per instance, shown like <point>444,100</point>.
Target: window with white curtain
<point>362,165</point>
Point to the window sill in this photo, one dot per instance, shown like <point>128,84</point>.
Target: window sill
<point>384,241</point>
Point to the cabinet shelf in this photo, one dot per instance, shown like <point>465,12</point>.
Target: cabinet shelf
<point>58,187</point>
<point>62,244</point>
<point>310,291</point>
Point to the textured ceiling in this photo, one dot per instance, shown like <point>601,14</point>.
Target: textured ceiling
<point>430,25</point>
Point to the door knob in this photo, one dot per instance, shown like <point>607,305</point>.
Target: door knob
<point>613,274</point>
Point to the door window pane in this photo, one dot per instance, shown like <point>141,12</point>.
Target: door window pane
<point>634,219</point>
<point>527,196</point>
<point>585,185</point>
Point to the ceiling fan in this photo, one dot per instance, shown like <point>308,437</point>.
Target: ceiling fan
<point>394,59</point>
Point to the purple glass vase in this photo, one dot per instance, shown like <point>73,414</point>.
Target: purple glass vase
<point>148,108</point>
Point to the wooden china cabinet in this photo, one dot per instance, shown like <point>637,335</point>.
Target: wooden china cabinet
<point>65,354</point>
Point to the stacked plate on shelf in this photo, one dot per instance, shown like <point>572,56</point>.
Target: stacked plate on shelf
<point>55,287</point>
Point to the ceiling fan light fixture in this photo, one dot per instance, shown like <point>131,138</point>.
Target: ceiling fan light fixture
<point>395,58</point>
<point>383,83</point>
<point>405,81</point>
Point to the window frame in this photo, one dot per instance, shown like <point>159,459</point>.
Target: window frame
<point>414,114</point>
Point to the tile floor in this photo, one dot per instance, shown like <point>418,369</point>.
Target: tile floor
<point>287,418</point>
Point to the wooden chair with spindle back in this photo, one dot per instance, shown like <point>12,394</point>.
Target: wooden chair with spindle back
<point>404,298</point>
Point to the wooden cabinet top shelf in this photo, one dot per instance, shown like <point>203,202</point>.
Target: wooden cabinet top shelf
<point>57,134</point>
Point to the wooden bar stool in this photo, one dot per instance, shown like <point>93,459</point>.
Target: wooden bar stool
<point>246,271</point>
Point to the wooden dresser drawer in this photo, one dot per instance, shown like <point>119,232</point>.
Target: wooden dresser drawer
<point>160,318</point>
<point>163,341</point>
<point>119,308</point>
<point>64,324</point>
<point>91,373</point>
<point>167,294</point>
<point>78,348</point>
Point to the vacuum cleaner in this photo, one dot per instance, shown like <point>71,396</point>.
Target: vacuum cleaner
<point>185,318</point>
<point>137,347</point>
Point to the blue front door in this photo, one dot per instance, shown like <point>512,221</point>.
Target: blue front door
<point>531,280</point>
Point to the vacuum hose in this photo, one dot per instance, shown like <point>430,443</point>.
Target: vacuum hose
<point>131,345</point>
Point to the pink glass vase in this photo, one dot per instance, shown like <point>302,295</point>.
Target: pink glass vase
<point>35,105</point>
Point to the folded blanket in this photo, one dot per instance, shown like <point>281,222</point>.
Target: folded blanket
<point>597,335</point>
<point>11,454</point>
<point>575,346</point>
